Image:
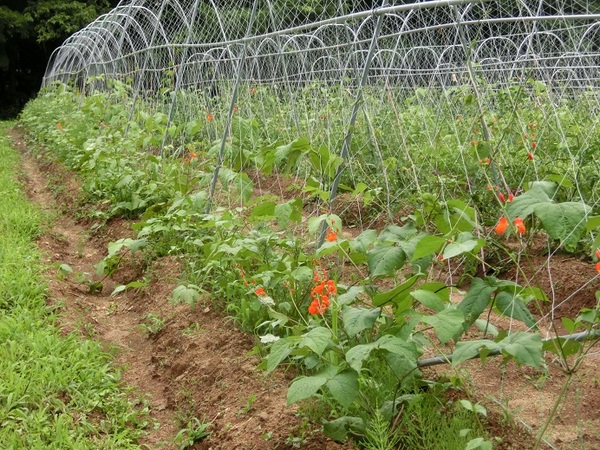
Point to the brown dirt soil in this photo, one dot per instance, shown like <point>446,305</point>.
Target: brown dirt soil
<point>193,364</point>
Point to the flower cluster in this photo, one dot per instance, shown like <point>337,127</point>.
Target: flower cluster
<point>503,198</point>
<point>597,254</point>
<point>331,235</point>
<point>322,292</point>
<point>502,226</point>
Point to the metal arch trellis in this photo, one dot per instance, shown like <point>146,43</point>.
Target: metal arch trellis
<point>388,52</point>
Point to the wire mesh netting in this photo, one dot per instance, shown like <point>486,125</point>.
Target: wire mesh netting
<point>368,107</point>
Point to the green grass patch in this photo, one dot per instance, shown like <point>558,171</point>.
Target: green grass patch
<point>55,391</point>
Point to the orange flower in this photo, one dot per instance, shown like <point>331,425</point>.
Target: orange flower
<point>533,144</point>
<point>520,225</point>
<point>530,156</point>
<point>59,126</point>
<point>260,292</point>
<point>501,226</point>
<point>331,236</point>
<point>317,307</point>
<point>501,197</point>
<point>193,155</point>
<point>598,267</point>
<point>209,117</point>
<point>511,197</point>
<point>597,253</point>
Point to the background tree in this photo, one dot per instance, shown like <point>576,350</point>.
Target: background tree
<point>29,32</point>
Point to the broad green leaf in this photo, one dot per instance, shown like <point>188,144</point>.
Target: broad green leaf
<point>316,339</point>
<point>280,350</point>
<point>303,388</point>
<point>479,443</point>
<point>548,187</point>
<point>429,299</point>
<point>592,223</point>
<point>186,294</point>
<point>485,327</point>
<point>339,429</point>
<point>357,355</point>
<point>564,221</point>
<point>344,387</point>
<point>264,209</point>
<point>470,349</point>
<point>523,205</point>
<point>302,274</point>
<point>350,295</point>
<point>447,323</point>
<point>385,261</point>
<point>288,212</point>
<point>454,249</point>
<point>562,347</point>
<point>400,295</point>
<point>396,234</point>
<point>363,241</point>
<point>526,348</point>
<point>512,306</point>
<point>427,246</point>
<point>291,152</point>
<point>475,301</point>
<point>359,319</point>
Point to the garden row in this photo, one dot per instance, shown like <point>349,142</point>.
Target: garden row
<point>356,314</point>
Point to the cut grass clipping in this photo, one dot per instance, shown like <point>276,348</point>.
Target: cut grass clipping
<point>55,391</point>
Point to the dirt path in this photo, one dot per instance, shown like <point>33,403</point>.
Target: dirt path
<point>187,363</point>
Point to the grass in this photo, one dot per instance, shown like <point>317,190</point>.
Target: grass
<point>56,392</point>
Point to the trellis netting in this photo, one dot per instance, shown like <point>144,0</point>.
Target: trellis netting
<point>365,105</point>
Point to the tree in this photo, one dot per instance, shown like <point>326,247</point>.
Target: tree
<point>29,32</point>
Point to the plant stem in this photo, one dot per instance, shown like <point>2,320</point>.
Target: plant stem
<point>563,391</point>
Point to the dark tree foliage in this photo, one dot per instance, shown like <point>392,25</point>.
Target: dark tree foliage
<point>29,32</point>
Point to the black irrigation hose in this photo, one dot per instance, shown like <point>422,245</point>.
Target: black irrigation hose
<point>447,359</point>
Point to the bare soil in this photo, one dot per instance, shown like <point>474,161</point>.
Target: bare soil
<point>196,364</point>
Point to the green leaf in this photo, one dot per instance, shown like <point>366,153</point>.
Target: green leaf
<point>339,429</point>
<point>524,204</point>
<point>302,274</point>
<point>562,347</point>
<point>470,349</point>
<point>264,209</point>
<point>455,248</point>
<point>385,261</point>
<point>363,241</point>
<point>475,301</point>
<point>291,152</point>
<point>427,246</point>
<point>350,295</point>
<point>564,221</point>
<point>316,339</point>
<point>344,387</point>
<point>186,294</point>
<point>447,323</point>
<point>356,356</point>
<point>512,306</point>
<point>526,348</point>
<point>287,212</point>
<point>304,387</point>
<point>429,299</point>
<point>359,319</point>
<point>400,295</point>
<point>592,223</point>
<point>280,350</point>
